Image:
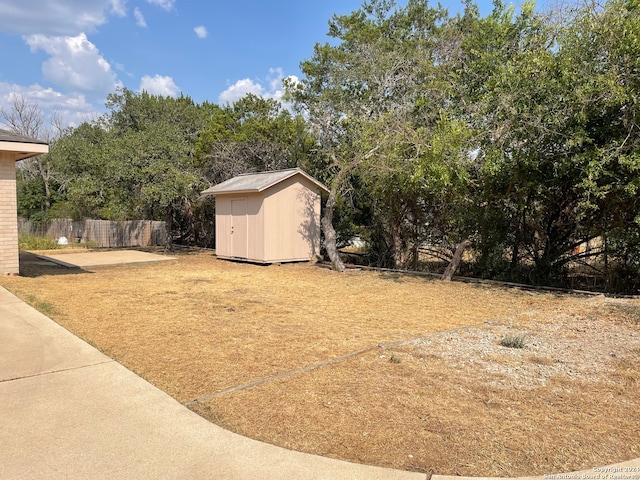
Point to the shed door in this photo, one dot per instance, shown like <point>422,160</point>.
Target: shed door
<point>239,237</point>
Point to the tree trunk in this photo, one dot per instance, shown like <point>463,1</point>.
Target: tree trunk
<point>168,218</point>
<point>330,233</point>
<point>45,179</point>
<point>455,261</point>
<point>327,219</point>
<point>398,247</point>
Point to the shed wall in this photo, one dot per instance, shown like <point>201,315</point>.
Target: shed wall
<point>9,257</point>
<point>254,227</point>
<point>282,223</point>
<point>223,226</point>
<point>292,221</point>
<point>256,223</point>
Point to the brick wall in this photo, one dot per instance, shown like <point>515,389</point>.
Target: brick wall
<point>8,217</point>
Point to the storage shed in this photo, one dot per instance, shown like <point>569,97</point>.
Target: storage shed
<point>13,147</point>
<point>268,217</point>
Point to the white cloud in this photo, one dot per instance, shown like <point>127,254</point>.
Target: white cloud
<point>57,17</point>
<point>119,7</point>
<point>240,89</point>
<point>139,18</point>
<point>201,31</point>
<point>159,85</point>
<point>166,4</point>
<point>273,88</point>
<point>75,64</point>
<point>73,109</point>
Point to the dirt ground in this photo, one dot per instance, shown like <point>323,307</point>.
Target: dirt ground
<point>378,368</point>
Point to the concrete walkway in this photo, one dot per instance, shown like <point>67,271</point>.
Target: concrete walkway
<point>69,412</point>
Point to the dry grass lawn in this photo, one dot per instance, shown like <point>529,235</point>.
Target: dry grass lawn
<point>446,398</point>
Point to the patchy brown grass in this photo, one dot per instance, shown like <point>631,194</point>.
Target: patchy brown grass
<point>452,401</point>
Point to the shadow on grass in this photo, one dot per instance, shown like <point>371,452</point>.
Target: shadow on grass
<point>400,275</point>
<point>33,266</point>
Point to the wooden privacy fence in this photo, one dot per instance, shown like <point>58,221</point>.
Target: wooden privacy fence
<point>103,233</point>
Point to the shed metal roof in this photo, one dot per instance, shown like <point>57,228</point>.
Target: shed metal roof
<point>258,182</point>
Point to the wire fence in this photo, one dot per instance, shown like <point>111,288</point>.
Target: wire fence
<point>99,233</point>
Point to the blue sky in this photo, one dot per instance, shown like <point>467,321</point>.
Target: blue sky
<point>67,55</point>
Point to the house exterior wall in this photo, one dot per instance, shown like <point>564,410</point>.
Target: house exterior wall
<point>9,259</point>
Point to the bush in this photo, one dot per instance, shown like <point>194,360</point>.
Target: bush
<point>512,342</point>
<point>395,358</point>
<point>32,242</point>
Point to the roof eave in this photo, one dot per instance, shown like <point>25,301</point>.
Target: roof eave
<point>314,181</point>
<point>22,151</point>
<point>292,173</point>
<point>239,192</point>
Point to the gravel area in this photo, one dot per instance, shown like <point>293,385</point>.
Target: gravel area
<point>583,345</point>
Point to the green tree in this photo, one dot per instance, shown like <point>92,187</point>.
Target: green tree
<point>37,183</point>
<point>253,134</point>
<point>509,91</point>
<point>601,47</point>
<point>377,99</point>
<point>135,162</point>
<point>553,104</point>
